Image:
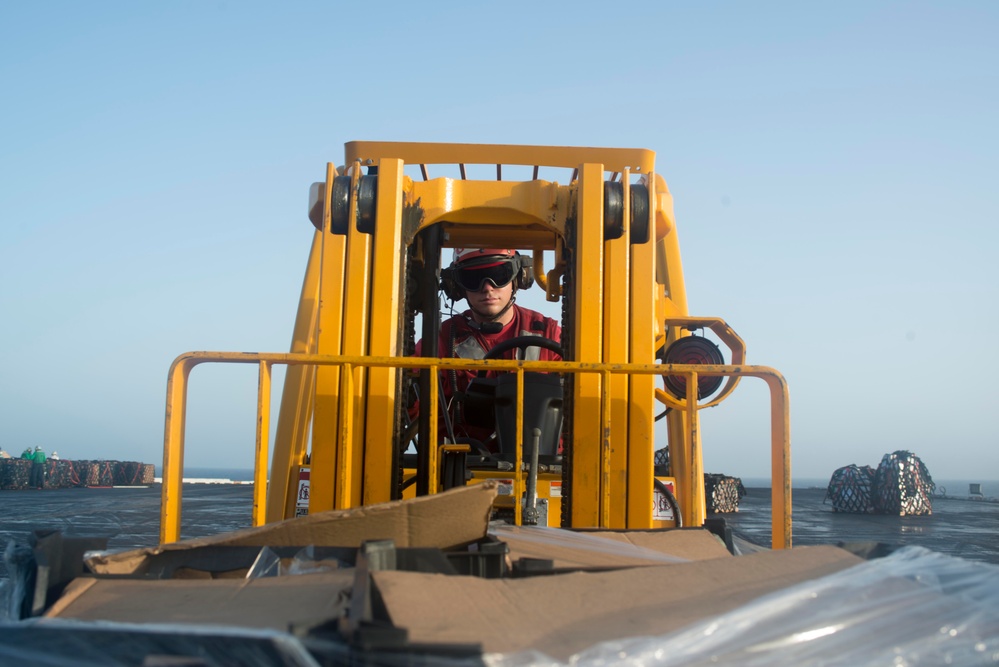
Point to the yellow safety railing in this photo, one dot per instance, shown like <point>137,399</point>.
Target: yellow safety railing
<point>177,383</point>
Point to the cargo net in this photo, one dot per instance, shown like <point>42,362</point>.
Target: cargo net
<point>722,493</point>
<point>14,473</point>
<point>661,458</point>
<point>94,473</point>
<point>60,474</point>
<point>902,485</point>
<point>850,489</point>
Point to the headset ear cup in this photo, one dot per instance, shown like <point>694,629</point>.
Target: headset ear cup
<point>450,286</point>
<point>525,272</point>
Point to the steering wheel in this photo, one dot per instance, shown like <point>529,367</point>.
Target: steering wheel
<point>522,342</point>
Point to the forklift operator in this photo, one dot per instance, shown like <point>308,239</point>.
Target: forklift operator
<point>488,280</point>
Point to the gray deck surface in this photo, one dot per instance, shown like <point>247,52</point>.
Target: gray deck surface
<point>958,527</point>
<point>130,518</point>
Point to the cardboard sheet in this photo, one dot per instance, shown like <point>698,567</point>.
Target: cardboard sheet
<point>682,576</point>
<point>578,549</point>
<point>566,613</point>
<point>444,521</point>
<point>270,602</point>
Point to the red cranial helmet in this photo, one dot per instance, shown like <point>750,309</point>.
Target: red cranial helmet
<point>481,256</point>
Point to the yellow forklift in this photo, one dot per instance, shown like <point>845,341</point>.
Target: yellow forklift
<point>577,439</point>
<point>410,569</point>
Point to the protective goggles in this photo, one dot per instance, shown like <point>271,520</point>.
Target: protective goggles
<point>473,279</point>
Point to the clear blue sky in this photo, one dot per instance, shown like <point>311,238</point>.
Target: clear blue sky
<point>834,169</point>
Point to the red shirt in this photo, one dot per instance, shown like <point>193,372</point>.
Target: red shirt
<point>470,343</point>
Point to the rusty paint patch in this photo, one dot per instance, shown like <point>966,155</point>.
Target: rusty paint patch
<point>412,218</point>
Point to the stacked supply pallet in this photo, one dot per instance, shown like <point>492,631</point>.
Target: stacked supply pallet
<point>722,493</point>
<point>901,485</point>
<point>15,474</point>
<point>850,489</point>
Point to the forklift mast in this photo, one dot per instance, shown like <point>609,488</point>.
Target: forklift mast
<point>386,221</point>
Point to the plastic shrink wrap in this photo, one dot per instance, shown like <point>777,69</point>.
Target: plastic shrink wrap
<point>914,607</point>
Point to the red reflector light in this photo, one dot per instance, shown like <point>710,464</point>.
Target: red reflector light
<point>692,350</point>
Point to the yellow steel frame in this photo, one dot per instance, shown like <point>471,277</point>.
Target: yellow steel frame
<point>336,317</point>
<point>386,293</point>
<point>638,160</point>
<point>177,385</point>
<point>527,214</point>
<point>590,445</point>
<point>629,300</point>
<point>617,349</point>
<point>290,441</point>
<point>326,401</point>
<point>641,296</point>
<point>349,452</point>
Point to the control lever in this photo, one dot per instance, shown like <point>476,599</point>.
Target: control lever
<point>530,516</point>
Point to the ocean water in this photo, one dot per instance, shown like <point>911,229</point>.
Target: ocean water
<point>235,474</point>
